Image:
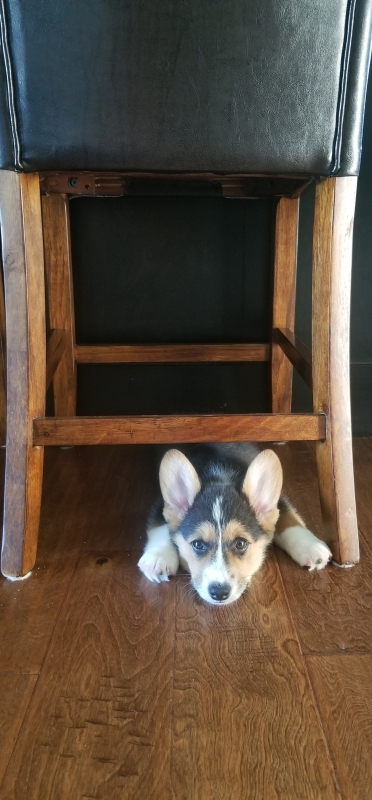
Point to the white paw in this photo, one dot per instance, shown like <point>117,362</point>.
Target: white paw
<point>304,547</point>
<point>318,556</point>
<point>158,565</point>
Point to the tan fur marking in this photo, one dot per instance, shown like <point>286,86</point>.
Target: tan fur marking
<point>288,519</point>
<point>172,518</point>
<point>205,531</point>
<point>234,529</point>
<point>195,565</point>
<point>269,521</point>
<point>242,568</point>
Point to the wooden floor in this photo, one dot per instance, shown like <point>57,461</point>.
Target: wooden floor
<point>117,689</point>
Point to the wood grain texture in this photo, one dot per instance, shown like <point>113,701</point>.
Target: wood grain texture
<point>342,688</point>
<point>362,449</point>
<point>146,691</point>
<point>92,497</point>
<point>245,722</point>
<point>174,428</point>
<point>332,257</point>
<point>56,346</point>
<point>99,723</point>
<point>29,609</point>
<point>16,690</point>
<point>22,253</point>
<point>118,506</point>
<point>58,270</point>
<point>2,362</point>
<point>300,481</point>
<point>331,609</point>
<point>296,352</point>
<point>284,299</point>
<point>170,353</point>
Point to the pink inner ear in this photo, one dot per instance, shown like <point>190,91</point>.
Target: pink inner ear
<point>263,483</point>
<point>181,493</point>
<point>260,499</point>
<point>179,482</point>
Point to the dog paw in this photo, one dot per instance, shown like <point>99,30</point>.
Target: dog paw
<point>305,548</point>
<point>318,555</point>
<point>158,565</point>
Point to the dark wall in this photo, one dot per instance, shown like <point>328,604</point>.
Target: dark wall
<point>185,269</point>
<point>171,269</point>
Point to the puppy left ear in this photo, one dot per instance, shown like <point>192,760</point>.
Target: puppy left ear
<point>262,486</point>
<point>179,483</point>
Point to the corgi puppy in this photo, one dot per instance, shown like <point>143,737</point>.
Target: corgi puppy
<point>221,507</point>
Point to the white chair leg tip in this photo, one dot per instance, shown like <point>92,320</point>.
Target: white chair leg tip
<point>17,577</point>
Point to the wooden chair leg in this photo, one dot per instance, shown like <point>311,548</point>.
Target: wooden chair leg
<point>284,299</point>
<point>57,254</point>
<point>2,362</point>
<point>22,252</point>
<point>332,256</point>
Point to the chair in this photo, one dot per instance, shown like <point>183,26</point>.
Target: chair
<point>242,98</point>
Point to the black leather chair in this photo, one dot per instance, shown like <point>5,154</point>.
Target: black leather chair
<point>246,98</point>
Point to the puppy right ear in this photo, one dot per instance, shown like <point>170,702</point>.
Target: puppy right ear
<point>179,483</point>
<point>262,486</point>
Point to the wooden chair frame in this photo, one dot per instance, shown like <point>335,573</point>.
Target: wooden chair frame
<point>35,236</point>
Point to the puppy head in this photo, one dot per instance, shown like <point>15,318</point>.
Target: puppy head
<point>221,533</point>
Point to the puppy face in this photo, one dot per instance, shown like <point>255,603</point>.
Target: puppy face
<point>222,534</point>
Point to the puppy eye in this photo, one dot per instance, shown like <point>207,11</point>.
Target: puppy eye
<point>240,544</point>
<point>199,546</point>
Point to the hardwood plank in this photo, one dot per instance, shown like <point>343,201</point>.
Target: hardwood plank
<point>284,299</point>
<point>296,351</point>
<point>170,353</point>
<point>56,346</point>
<point>342,687</point>
<point>238,671</point>
<point>332,259</point>
<point>331,609</point>
<point>362,449</point>
<point>300,481</point>
<point>22,253</point>
<point>58,270</point>
<point>117,514</point>
<point>169,429</point>
<point>29,609</point>
<point>93,497</point>
<point>99,721</point>
<point>16,693</point>
<point>245,721</point>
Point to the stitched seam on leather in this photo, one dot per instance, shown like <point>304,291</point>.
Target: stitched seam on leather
<point>343,86</point>
<point>10,89</point>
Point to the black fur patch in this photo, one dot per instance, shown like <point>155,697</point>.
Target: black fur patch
<point>221,470</point>
<point>155,518</point>
<point>232,506</point>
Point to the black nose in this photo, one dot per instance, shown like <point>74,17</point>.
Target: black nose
<point>219,591</point>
